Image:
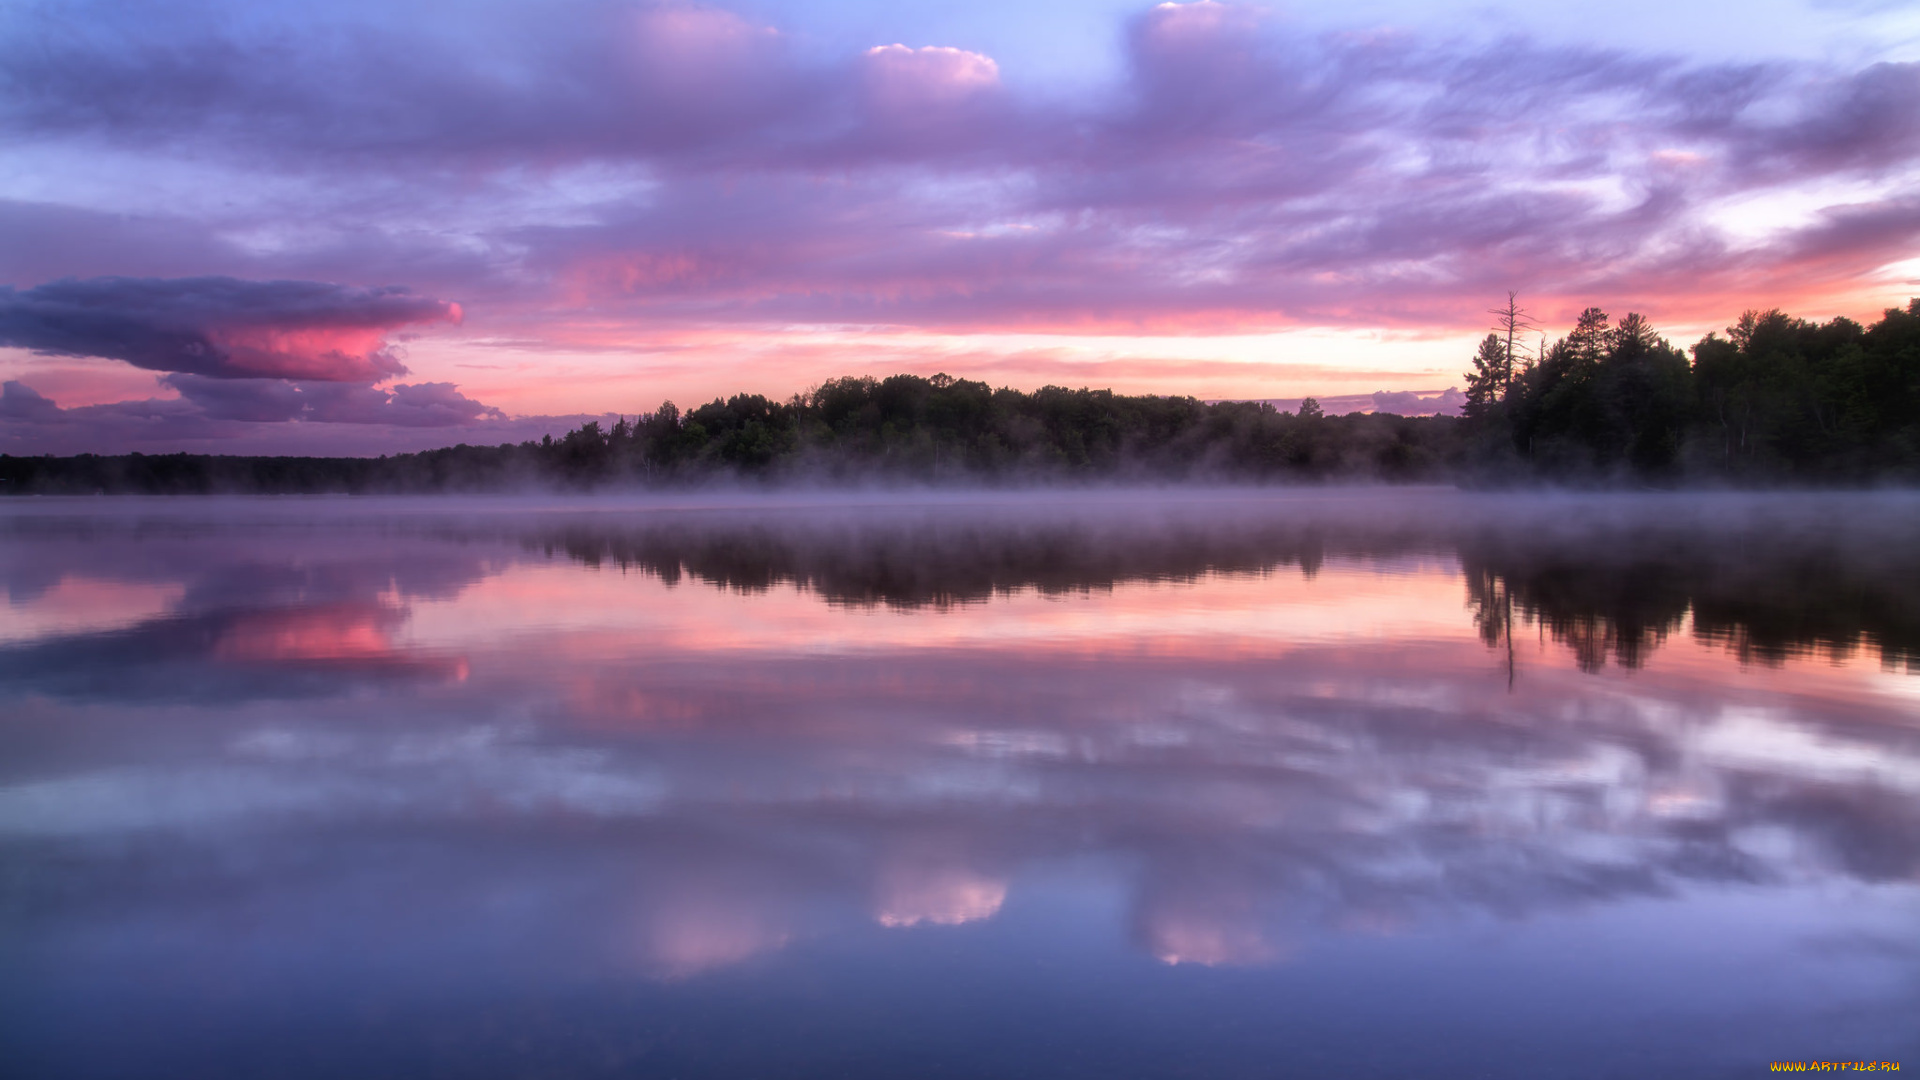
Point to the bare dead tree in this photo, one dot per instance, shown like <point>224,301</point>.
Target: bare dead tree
<point>1509,322</point>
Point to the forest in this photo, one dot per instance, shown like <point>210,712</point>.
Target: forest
<point>1776,401</point>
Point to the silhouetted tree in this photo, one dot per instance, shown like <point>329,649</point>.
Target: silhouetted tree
<point>1488,382</point>
<point>1510,323</point>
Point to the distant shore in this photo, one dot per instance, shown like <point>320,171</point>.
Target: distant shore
<point>1779,402</point>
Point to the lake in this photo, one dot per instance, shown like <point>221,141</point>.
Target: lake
<point>1378,783</point>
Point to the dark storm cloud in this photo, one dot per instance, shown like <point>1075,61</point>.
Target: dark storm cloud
<point>237,352</point>
<point>220,327</point>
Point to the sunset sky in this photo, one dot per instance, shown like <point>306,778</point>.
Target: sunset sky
<point>362,227</point>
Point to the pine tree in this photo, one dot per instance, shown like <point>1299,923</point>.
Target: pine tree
<point>1491,375</point>
<point>1589,339</point>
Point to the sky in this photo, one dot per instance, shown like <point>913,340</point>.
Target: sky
<point>363,227</point>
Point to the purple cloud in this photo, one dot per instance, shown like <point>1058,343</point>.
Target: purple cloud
<point>1239,174</point>
<point>219,327</point>
<point>276,400</point>
<point>20,402</point>
<point>267,416</point>
<point>1866,121</point>
<point>1413,403</point>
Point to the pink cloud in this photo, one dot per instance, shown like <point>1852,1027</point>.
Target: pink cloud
<point>222,328</point>
<point>903,84</point>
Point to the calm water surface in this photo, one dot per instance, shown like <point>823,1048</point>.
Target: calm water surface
<point>1273,784</point>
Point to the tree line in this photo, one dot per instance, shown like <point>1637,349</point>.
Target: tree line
<point>1776,400</point>
<point>848,430</point>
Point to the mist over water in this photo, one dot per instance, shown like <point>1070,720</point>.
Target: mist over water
<point>1383,782</point>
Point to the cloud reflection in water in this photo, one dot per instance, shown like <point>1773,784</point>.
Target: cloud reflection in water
<point>557,743</point>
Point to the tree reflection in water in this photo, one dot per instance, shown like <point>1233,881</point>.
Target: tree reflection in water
<point>1609,577</point>
<point>476,748</point>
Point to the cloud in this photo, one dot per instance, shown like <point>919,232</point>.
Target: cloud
<point>437,404</point>
<point>906,85</point>
<point>1889,227</point>
<point>267,416</point>
<point>1414,403</point>
<point>1868,120</point>
<point>41,241</point>
<point>18,401</point>
<point>236,352</point>
<point>221,327</point>
<point>567,167</point>
<point>1397,402</point>
<point>1244,179</point>
<point>274,400</point>
<point>1235,807</point>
